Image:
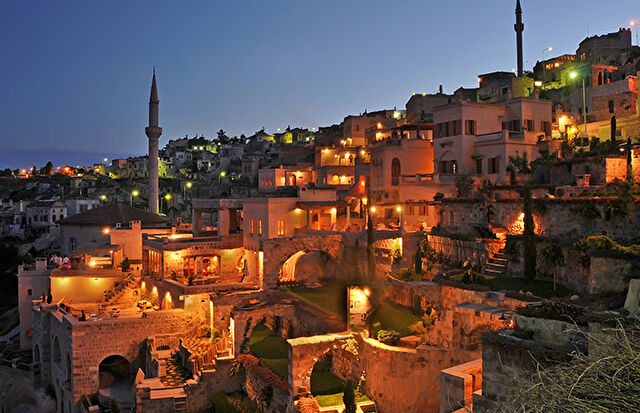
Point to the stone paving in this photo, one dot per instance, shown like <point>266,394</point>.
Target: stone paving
<point>175,375</point>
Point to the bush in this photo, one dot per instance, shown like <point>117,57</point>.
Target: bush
<point>125,264</point>
<point>389,337</point>
<point>349,398</point>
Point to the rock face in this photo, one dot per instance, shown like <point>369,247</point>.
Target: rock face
<point>632,303</point>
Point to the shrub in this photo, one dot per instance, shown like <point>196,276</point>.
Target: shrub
<point>349,398</point>
<point>205,331</point>
<point>125,264</point>
<point>389,337</point>
<point>464,185</point>
<point>529,237</point>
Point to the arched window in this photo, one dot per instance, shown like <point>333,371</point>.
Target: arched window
<point>56,350</point>
<point>395,171</point>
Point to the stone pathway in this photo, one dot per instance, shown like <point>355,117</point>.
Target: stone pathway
<point>175,375</point>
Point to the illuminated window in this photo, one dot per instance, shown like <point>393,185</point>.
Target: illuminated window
<point>281,227</point>
<point>259,227</point>
<point>251,226</point>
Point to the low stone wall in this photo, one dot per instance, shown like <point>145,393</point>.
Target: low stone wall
<point>477,251</point>
<point>457,385</point>
<point>610,274</point>
<point>267,390</point>
<point>412,374</point>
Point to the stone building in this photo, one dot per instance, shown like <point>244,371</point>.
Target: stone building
<point>43,216</point>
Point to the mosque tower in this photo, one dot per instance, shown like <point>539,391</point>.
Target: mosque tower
<point>519,27</point>
<point>153,132</point>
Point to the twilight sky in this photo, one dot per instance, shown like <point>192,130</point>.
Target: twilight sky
<point>75,75</point>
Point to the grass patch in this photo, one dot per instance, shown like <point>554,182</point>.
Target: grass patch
<point>392,316</point>
<point>329,298</point>
<point>327,400</point>
<point>271,349</point>
<point>232,403</point>
<point>541,288</point>
<point>323,381</point>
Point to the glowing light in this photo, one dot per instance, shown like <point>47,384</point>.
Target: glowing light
<point>563,118</point>
<point>174,236</point>
<point>632,23</point>
<point>24,171</point>
<point>189,185</point>
<point>557,64</point>
<point>549,48</point>
<point>373,209</point>
<point>92,264</point>
<point>135,192</point>
<point>154,290</point>
<point>538,83</point>
<point>167,297</point>
<point>362,183</point>
<point>176,255</point>
<point>103,197</point>
<point>367,292</point>
<point>298,211</point>
<point>223,174</point>
<point>379,125</point>
<point>362,152</point>
<point>573,74</point>
<point>106,230</point>
<point>105,160</point>
<point>334,210</point>
<point>167,197</point>
<point>143,285</point>
<point>364,201</point>
<point>399,209</point>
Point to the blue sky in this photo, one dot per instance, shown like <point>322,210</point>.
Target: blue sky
<point>75,75</point>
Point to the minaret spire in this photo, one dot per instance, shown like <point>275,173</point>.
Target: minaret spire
<point>153,132</point>
<point>519,28</point>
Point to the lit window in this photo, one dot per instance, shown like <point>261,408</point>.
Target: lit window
<point>259,227</point>
<point>281,227</point>
<point>251,226</point>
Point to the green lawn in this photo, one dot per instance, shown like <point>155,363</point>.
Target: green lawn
<point>271,349</point>
<point>540,288</point>
<point>233,403</point>
<point>396,317</point>
<point>335,399</point>
<point>329,298</point>
<point>323,381</point>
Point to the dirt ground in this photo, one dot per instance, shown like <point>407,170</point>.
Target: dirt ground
<point>17,394</point>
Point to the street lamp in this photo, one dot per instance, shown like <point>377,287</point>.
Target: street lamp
<point>133,193</point>
<point>574,75</point>
<point>103,197</point>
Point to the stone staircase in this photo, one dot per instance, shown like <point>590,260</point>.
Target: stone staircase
<point>116,293</point>
<point>496,264</point>
<point>180,404</point>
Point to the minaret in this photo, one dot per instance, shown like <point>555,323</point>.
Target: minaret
<point>519,27</point>
<point>153,132</point>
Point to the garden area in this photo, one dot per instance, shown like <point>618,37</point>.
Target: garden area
<point>394,317</point>
<point>540,288</point>
<point>326,387</point>
<point>271,349</point>
<point>330,298</point>
<point>232,403</point>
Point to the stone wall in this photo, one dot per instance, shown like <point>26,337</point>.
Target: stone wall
<point>413,374</point>
<point>260,381</point>
<point>610,274</point>
<point>562,220</point>
<point>464,250</point>
<point>457,385</point>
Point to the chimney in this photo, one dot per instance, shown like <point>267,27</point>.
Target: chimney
<point>440,90</point>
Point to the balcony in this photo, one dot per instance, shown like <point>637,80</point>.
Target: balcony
<point>417,179</point>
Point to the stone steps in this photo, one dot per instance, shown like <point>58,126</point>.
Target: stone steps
<point>179,404</point>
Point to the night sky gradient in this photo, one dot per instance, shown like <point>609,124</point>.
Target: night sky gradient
<point>75,75</point>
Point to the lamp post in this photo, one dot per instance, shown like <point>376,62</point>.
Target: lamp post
<point>188,185</point>
<point>166,198</point>
<point>131,195</point>
<point>544,63</point>
<point>573,75</point>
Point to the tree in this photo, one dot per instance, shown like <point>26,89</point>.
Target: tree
<point>553,257</point>
<point>349,398</point>
<point>518,165</point>
<point>371,248</point>
<point>529,237</point>
<point>464,185</point>
<point>47,169</point>
<point>223,139</point>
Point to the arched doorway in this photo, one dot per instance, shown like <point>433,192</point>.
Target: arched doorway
<point>307,267</point>
<point>115,380</point>
<point>323,381</point>
<point>395,171</point>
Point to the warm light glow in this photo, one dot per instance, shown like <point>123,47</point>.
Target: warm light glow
<point>632,23</point>
<point>538,83</point>
<point>189,184</point>
<point>167,197</point>
<point>167,297</point>
<point>573,74</point>
<point>367,292</point>
<point>92,264</point>
<point>174,236</point>
<point>362,152</point>
<point>106,230</point>
<point>297,210</point>
<point>103,197</point>
<point>549,48</point>
<point>399,209</point>
<point>176,255</point>
<point>373,209</point>
<point>333,210</point>
<point>223,174</point>
<point>143,285</point>
<point>563,118</point>
<point>105,159</point>
<point>364,201</point>
<point>379,125</point>
<point>135,192</point>
<point>154,290</point>
<point>557,64</point>
<point>362,183</point>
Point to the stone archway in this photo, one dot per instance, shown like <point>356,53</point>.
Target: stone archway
<point>114,375</point>
<point>307,267</point>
